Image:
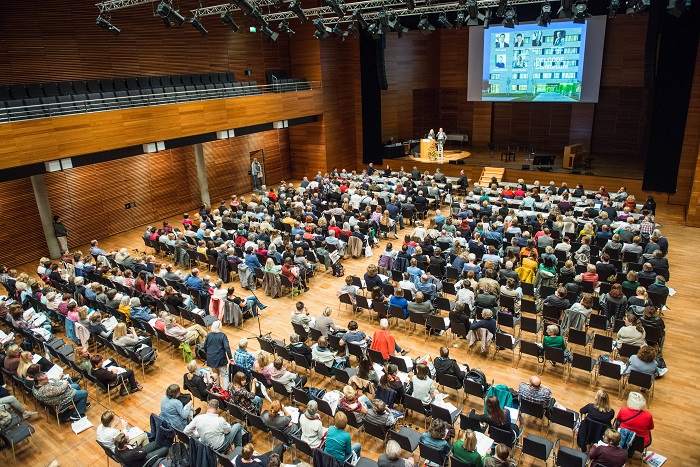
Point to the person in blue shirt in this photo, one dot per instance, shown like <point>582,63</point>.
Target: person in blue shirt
<point>338,441</point>
<point>428,288</point>
<point>139,312</point>
<point>192,280</point>
<point>435,438</point>
<point>439,218</point>
<point>413,270</point>
<point>251,260</point>
<point>397,299</point>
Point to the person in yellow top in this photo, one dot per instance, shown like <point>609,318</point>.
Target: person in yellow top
<point>125,307</point>
<point>527,270</point>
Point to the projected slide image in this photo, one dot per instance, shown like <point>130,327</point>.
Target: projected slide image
<point>534,64</point>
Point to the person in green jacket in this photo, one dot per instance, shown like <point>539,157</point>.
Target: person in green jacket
<point>465,449</point>
<point>554,340</point>
<point>338,441</point>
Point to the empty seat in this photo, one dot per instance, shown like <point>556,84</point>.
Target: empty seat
<point>200,87</point>
<point>80,87</point>
<point>66,105</point>
<point>110,101</point>
<point>16,110</point>
<point>120,84</point>
<point>181,93</point>
<point>51,89</point>
<point>155,82</point>
<point>93,86</point>
<point>65,88</point>
<point>165,80</point>
<point>50,104</point>
<point>204,77</point>
<point>132,83</point>
<point>135,97</point>
<point>95,103</point>
<point>122,98</point>
<point>4,93</point>
<point>222,77</point>
<point>196,79</point>
<point>186,80</point>
<point>169,94</point>
<point>147,97</point>
<point>4,116</point>
<point>106,85</point>
<point>144,83</point>
<point>34,108</point>
<point>191,92</point>
<point>35,90</point>
<point>158,95</point>
<point>230,77</point>
<point>176,80</point>
<point>18,91</point>
<point>214,77</point>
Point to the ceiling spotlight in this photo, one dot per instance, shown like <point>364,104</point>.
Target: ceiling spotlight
<point>321,30</point>
<point>375,30</point>
<point>272,35</point>
<point>198,26</point>
<point>612,9</point>
<point>474,15</point>
<point>635,7</point>
<point>352,29</point>
<point>459,22</point>
<point>545,15</point>
<point>565,9</point>
<point>170,16</point>
<point>383,21</point>
<point>295,7</point>
<point>581,11</point>
<point>107,26</point>
<point>337,30</point>
<point>259,17</point>
<point>511,18</point>
<point>487,18</point>
<point>444,22</point>
<point>284,27</point>
<point>337,7</point>
<point>400,29</point>
<point>410,5</point>
<point>246,7</point>
<point>228,20</point>
<point>501,11</point>
<point>360,19</point>
<point>677,7</point>
<point>425,26</point>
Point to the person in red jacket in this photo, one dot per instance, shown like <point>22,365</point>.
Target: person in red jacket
<point>384,342</point>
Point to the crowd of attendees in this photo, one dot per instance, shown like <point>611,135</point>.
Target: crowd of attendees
<point>569,246</point>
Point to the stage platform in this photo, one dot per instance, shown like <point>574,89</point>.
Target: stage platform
<point>448,156</point>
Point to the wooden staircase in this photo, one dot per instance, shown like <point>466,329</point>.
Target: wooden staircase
<point>488,173</point>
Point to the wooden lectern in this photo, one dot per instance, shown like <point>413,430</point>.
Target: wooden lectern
<point>573,154</point>
<point>425,145</point>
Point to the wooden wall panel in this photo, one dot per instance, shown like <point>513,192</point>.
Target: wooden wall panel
<point>54,138</point>
<point>307,146</point>
<point>59,40</point>
<point>22,236</point>
<point>623,55</point>
<point>582,124</point>
<point>305,53</point>
<point>619,122</point>
<point>482,117</point>
<point>91,199</point>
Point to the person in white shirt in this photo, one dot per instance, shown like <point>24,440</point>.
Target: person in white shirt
<point>111,426</point>
<point>407,284</point>
<point>213,430</point>
<point>465,294</point>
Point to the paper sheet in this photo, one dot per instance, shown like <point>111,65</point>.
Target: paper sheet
<point>654,459</point>
<point>36,358</point>
<point>81,425</point>
<point>483,443</point>
<point>293,413</point>
<point>55,372</point>
<point>134,431</point>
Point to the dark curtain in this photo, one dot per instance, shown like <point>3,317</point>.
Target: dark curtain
<point>371,101</point>
<point>677,47</point>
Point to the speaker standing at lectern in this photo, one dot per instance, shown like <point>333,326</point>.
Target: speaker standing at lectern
<point>441,137</point>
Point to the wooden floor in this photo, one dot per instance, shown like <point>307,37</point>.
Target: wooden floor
<point>603,165</point>
<point>674,407</point>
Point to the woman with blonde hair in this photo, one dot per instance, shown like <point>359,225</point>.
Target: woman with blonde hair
<point>125,307</point>
<point>599,410</point>
<point>464,449</point>
<point>129,340</point>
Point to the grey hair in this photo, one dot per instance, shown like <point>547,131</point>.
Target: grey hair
<point>393,450</point>
<point>636,401</point>
<point>312,408</point>
<point>384,323</point>
<point>243,343</point>
<point>487,313</point>
<point>294,338</point>
<point>135,301</point>
<point>79,280</point>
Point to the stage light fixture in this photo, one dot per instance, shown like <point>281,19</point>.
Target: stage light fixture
<point>246,7</point>
<point>337,7</point>
<point>612,9</point>
<point>545,15</point>
<point>321,30</point>
<point>295,7</point>
<point>410,5</point>
<point>487,18</point>
<point>383,21</point>
<point>338,31</point>
<point>352,29</point>
<point>400,29</point>
<point>228,21</point>
<point>459,22</point>
<point>272,35</point>
<point>198,26</point>
<point>581,11</point>
<point>565,9</point>
<point>444,22</point>
<point>501,11</point>
<point>360,19</point>
<point>425,26</point>
<point>107,26</point>
<point>677,7</point>
<point>284,27</point>
<point>511,18</point>
<point>170,16</point>
<point>635,7</point>
<point>257,14</point>
<point>474,15</point>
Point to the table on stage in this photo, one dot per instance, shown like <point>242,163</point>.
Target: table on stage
<point>510,156</point>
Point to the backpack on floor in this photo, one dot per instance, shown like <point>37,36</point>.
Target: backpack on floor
<point>338,269</point>
<point>179,457</point>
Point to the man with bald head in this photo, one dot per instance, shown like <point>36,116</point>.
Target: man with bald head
<point>535,392</point>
